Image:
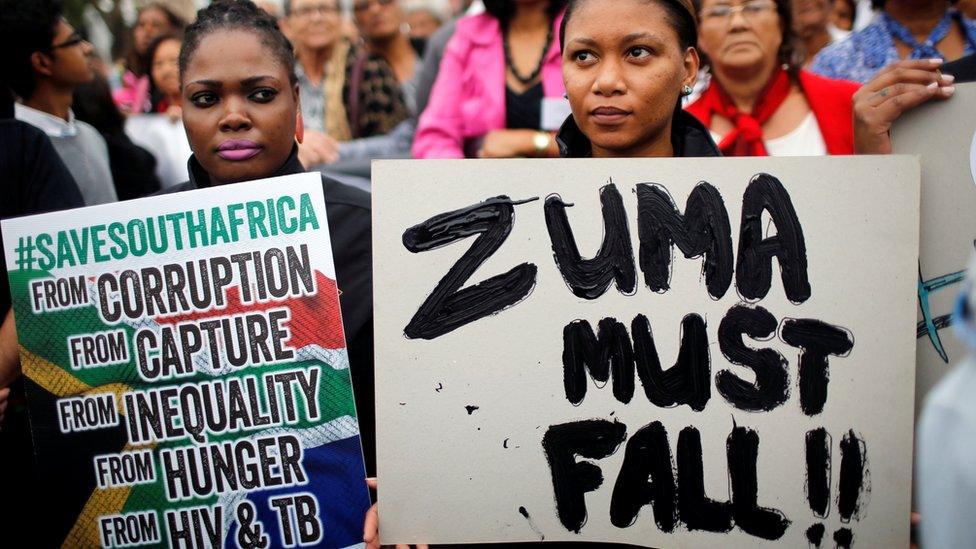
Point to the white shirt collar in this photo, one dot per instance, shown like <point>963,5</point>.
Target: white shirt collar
<point>49,124</point>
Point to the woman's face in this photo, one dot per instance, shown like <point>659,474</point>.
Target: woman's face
<point>165,68</point>
<point>746,39</point>
<point>239,107</point>
<point>152,22</point>
<point>624,69</point>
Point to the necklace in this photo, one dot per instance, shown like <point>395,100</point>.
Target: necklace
<point>525,80</point>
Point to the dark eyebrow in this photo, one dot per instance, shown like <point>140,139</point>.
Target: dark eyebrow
<point>206,83</point>
<point>255,79</point>
<point>634,36</point>
<point>584,41</point>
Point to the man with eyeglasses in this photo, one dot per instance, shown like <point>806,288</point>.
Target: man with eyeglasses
<point>45,59</point>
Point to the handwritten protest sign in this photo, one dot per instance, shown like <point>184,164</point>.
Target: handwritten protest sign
<point>943,134</point>
<point>680,352</point>
<point>187,377</point>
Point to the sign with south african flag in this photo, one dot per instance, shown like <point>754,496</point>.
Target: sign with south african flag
<point>186,369</point>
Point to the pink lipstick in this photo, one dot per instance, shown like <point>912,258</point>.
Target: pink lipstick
<point>237,150</point>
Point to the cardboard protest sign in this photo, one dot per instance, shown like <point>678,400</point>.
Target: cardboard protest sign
<point>670,352</point>
<point>944,134</point>
<point>187,376</point>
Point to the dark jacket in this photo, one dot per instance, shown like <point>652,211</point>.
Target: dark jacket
<point>688,137</point>
<point>348,209</point>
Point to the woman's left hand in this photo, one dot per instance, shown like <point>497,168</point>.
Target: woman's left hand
<point>897,88</point>
<point>508,144</point>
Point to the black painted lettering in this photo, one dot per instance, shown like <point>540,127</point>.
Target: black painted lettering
<point>689,380</point>
<point>817,340</point>
<point>754,267</point>
<point>703,231</point>
<point>771,388</point>
<point>646,478</point>
<point>743,453</point>
<point>590,278</point>
<point>695,509</point>
<point>449,307</point>
<point>608,354</point>
<point>571,479</point>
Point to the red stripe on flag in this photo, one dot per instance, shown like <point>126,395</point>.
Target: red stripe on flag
<point>314,319</point>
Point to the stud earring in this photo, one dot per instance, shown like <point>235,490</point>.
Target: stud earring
<point>686,90</point>
<point>566,96</point>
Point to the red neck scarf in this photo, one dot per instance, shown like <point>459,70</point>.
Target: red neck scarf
<point>746,138</point>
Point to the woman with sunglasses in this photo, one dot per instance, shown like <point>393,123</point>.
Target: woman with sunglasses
<point>759,102</point>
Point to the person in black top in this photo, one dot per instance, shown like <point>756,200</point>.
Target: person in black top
<point>242,118</point>
<point>625,92</point>
<point>133,167</point>
<point>33,180</point>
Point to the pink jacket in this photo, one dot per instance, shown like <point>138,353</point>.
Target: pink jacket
<point>468,98</point>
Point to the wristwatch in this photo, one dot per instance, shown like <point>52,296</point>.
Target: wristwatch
<point>541,142</point>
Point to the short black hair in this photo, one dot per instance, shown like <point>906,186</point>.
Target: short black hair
<point>503,10</point>
<point>682,20</point>
<point>26,27</point>
<point>238,15</point>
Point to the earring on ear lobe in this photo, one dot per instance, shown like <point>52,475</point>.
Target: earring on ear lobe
<point>686,90</point>
<point>566,96</point>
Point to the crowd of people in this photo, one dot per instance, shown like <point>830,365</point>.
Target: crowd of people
<point>345,83</point>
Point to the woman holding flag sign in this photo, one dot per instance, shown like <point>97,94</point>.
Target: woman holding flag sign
<point>242,118</point>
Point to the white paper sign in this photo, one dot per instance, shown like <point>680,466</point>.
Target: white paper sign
<point>751,385</point>
<point>942,133</point>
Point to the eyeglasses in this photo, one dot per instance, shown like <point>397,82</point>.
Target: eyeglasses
<point>321,9</point>
<point>749,10</point>
<point>73,40</point>
<point>363,5</point>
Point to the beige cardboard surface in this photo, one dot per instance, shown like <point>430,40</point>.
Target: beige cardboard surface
<point>942,133</point>
<point>461,417</point>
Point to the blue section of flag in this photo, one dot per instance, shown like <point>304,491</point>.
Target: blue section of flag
<point>336,478</point>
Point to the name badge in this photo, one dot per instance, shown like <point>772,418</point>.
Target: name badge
<point>554,113</point>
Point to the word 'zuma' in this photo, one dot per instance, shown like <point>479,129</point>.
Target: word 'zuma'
<point>702,231</point>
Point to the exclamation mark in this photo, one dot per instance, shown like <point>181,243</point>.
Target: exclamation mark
<point>818,481</point>
<point>855,482</point>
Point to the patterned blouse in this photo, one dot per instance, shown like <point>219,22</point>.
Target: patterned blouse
<point>872,48</point>
<point>348,107</point>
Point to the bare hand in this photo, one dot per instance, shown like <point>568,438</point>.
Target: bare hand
<point>317,148</point>
<point>371,529</point>
<point>507,144</point>
<point>896,89</point>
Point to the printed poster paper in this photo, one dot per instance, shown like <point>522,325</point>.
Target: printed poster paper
<point>186,369</point>
<point>667,353</point>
